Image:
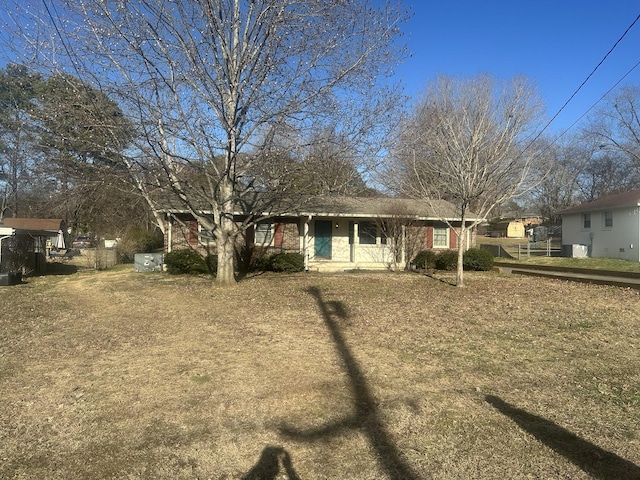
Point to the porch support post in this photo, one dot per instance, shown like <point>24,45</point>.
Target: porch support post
<point>304,241</point>
<point>169,232</point>
<point>356,242</point>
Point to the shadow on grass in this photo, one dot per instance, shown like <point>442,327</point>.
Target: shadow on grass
<point>366,417</point>
<point>451,283</point>
<point>268,466</point>
<point>594,460</point>
<point>58,268</point>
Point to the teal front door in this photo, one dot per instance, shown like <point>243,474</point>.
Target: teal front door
<point>323,238</point>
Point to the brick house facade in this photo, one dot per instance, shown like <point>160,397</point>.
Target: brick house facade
<point>337,233</point>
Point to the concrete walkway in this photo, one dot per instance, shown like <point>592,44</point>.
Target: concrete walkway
<point>601,277</point>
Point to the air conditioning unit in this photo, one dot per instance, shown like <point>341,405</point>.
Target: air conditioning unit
<point>148,262</point>
<point>575,251</point>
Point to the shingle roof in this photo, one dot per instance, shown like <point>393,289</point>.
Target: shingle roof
<point>379,207</point>
<point>627,199</point>
<point>44,224</point>
<point>335,206</point>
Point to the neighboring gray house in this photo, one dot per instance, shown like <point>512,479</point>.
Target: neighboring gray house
<point>608,227</point>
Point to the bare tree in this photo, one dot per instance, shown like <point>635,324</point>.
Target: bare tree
<point>205,79</point>
<point>325,164</point>
<point>403,237</point>
<point>612,136</point>
<point>616,124</point>
<point>606,171</point>
<point>469,141</point>
<point>555,174</point>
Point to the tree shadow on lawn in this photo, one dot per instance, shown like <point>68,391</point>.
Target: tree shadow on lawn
<point>447,281</point>
<point>589,457</point>
<point>366,417</point>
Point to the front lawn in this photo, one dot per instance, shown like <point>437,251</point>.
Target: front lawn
<point>612,264</point>
<point>120,374</point>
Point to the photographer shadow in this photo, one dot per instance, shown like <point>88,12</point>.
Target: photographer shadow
<point>272,462</point>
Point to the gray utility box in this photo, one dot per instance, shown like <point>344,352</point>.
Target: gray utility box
<point>11,278</point>
<point>148,262</point>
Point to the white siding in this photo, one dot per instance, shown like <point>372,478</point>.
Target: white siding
<point>341,250</point>
<point>620,241</point>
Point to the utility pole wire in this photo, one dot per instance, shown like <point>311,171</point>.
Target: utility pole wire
<point>582,85</point>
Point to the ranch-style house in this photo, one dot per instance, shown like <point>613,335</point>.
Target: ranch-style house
<point>337,233</point>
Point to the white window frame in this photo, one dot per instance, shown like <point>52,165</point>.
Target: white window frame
<point>607,218</point>
<point>205,237</point>
<point>586,221</point>
<point>446,237</point>
<point>263,233</point>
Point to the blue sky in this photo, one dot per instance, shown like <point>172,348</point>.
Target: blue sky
<point>555,43</point>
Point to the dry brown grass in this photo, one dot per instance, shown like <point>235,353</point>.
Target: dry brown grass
<point>353,376</point>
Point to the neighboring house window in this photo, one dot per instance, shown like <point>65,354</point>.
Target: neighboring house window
<point>440,237</point>
<point>608,219</point>
<point>586,220</point>
<point>263,233</point>
<point>367,232</point>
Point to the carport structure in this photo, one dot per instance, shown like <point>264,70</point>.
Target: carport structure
<point>22,250</point>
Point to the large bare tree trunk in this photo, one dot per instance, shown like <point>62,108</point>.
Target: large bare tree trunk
<point>226,253</point>
<point>226,234</point>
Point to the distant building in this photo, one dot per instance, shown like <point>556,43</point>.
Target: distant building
<point>608,227</point>
<point>509,229</point>
<point>24,243</point>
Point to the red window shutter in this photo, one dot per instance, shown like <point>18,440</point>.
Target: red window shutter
<point>278,234</point>
<point>453,238</point>
<point>429,238</point>
<point>193,232</point>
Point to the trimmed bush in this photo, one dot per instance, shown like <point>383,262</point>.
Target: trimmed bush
<point>425,260</point>
<point>185,261</point>
<point>478,259</point>
<point>280,262</point>
<point>447,260</point>
<point>286,262</point>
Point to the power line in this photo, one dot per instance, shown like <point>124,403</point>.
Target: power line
<point>600,99</point>
<point>586,80</point>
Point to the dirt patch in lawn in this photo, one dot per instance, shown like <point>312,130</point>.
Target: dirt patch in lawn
<point>120,374</point>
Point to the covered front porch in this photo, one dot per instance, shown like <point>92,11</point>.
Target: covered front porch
<point>334,243</point>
